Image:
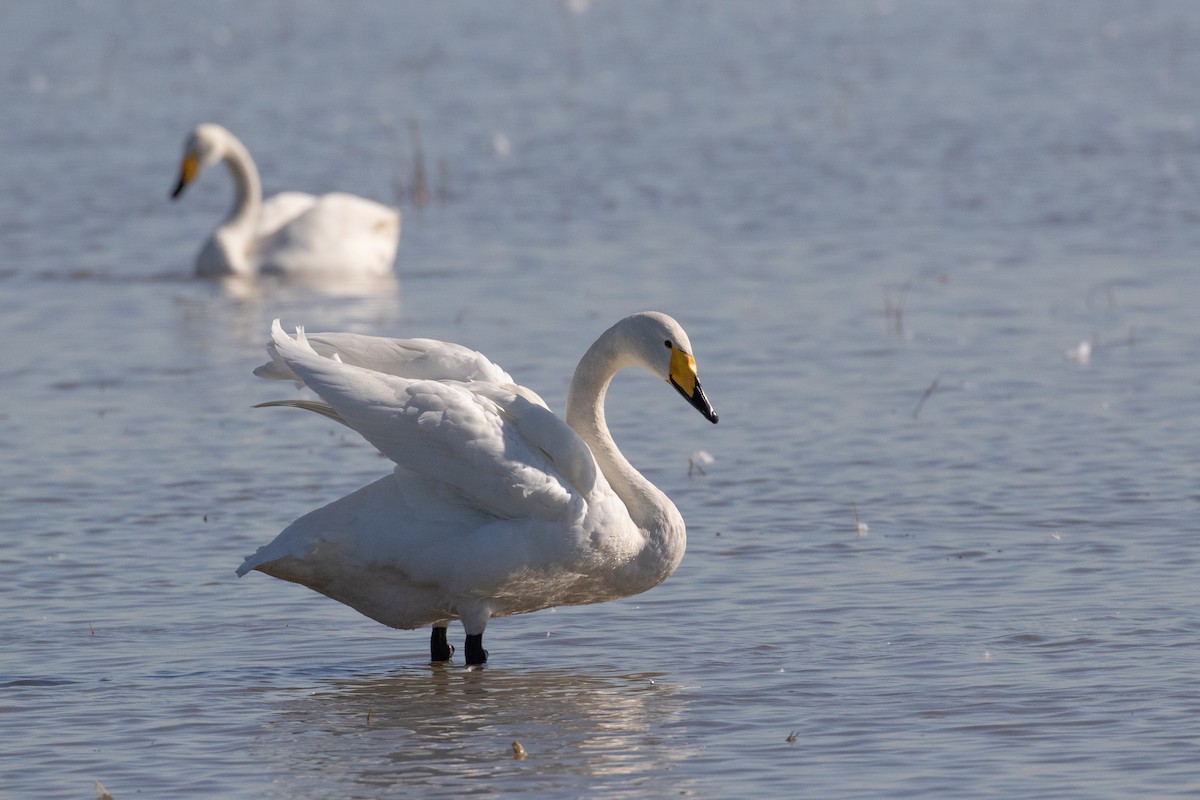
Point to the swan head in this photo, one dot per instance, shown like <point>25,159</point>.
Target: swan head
<point>658,344</point>
<point>205,146</point>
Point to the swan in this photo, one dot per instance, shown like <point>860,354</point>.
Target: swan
<point>291,233</point>
<point>496,506</point>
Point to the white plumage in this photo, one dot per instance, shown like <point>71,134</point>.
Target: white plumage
<point>291,233</point>
<point>408,358</point>
<point>496,506</point>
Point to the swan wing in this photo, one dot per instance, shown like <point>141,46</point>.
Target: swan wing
<point>548,434</point>
<point>406,358</point>
<point>500,450</point>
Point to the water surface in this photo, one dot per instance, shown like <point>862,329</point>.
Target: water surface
<point>851,207</point>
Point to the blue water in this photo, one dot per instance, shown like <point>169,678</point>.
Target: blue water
<point>887,227</point>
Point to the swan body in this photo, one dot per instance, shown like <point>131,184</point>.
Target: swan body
<point>496,506</point>
<point>291,233</point>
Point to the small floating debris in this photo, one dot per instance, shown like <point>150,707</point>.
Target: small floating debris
<point>101,792</point>
<point>893,312</point>
<point>501,144</point>
<point>860,527</point>
<point>1080,353</point>
<point>698,460</point>
<point>420,186</point>
<point>519,751</point>
<point>928,393</point>
<point>791,737</point>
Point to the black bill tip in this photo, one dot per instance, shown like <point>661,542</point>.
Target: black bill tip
<point>698,401</point>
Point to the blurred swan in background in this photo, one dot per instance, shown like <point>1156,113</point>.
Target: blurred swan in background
<point>291,233</point>
<point>496,506</point>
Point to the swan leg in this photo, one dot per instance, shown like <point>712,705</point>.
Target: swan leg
<point>474,619</point>
<point>439,648</point>
<point>476,655</point>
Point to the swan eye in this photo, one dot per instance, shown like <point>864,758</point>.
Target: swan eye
<point>668,344</point>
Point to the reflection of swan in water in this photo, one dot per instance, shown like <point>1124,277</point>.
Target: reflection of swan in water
<point>496,506</point>
<point>429,725</point>
<point>292,233</point>
<point>303,289</point>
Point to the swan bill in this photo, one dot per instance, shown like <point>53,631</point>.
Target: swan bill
<point>682,376</point>
<point>187,173</point>
<point>698,400</point>
<point>682,371</point>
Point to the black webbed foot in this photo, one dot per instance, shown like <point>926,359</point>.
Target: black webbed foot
<point>439,648</point>
<point>476,655</point>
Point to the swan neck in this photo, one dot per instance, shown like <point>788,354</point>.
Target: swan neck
<point>650,509</point>
<point>247,201</point>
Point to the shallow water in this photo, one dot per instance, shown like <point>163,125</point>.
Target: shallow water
<point>884,225</point>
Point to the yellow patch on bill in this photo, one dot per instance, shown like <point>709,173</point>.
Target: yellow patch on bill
<point>683,371</point>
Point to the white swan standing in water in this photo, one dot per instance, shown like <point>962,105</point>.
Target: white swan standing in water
<point>292,233</point>
<point>496,506</point>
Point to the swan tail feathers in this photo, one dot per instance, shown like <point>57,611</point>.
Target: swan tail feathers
<point>265,555</point>
<point>249,564</point>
